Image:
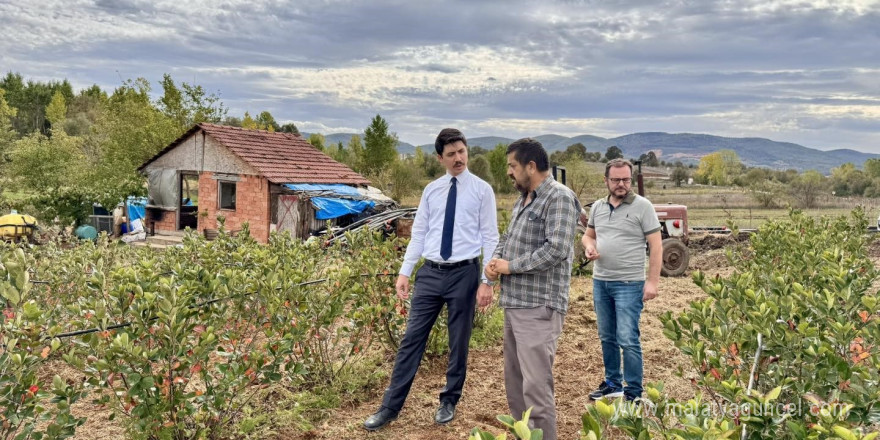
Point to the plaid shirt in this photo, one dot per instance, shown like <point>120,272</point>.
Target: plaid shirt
<point>539,246</point>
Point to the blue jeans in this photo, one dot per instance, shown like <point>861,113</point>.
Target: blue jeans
<point>618,307</point>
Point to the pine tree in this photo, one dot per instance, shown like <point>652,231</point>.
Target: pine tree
<point>380,147</point>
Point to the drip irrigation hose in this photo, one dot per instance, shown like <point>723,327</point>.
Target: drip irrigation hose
<point>194,306</point>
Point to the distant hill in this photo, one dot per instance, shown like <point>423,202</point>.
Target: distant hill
<point>489,142</point>
<point>686,147</point>
<point>689,147</point>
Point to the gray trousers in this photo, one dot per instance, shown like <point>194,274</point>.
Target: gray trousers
<point>530,337</point>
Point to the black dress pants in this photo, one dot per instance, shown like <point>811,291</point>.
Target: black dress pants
<point>457,288</point>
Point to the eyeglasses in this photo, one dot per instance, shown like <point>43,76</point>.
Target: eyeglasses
<point>624,180</point>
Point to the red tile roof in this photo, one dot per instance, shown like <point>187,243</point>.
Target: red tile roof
<point>280,157</point>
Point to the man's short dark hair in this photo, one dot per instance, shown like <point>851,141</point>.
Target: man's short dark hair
<point>529,150</point>
<point>617,163</point>
<point>448,136</point>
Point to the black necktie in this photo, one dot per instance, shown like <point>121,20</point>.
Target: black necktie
<point>448,223</point>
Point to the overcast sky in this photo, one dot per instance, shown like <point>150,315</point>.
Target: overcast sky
<point>789,70</point>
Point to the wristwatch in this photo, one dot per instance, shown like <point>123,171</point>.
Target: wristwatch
<point>489,283</point>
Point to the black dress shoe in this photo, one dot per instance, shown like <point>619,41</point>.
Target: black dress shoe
<point>381,418</point>
<point>445,413</point>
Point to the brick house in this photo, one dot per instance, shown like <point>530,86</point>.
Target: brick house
<point>240,174</point>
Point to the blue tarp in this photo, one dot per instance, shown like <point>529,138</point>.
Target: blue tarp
<point>329,208</point>
<point>335,188</point>
<point>137,207</point>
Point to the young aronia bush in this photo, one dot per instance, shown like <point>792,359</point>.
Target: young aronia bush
<point>802,289</point>
<point>29,407</point>
<point>182,339</point>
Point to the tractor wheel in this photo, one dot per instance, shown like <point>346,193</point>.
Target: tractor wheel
<point>675,258</point>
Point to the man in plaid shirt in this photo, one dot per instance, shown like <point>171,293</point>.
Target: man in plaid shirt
<point>534,256</point>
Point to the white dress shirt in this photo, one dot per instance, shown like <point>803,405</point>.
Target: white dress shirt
<point>476,224</point>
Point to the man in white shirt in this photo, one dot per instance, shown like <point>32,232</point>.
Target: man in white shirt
<point>455,222</point>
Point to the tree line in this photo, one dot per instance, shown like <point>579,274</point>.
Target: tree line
<point>61,151</point>
<point>777,188</point>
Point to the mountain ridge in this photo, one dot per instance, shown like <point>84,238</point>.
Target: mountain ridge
<point>671,147</point>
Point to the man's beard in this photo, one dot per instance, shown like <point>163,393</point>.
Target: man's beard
<point>524,190</point>
<point>612,192</point>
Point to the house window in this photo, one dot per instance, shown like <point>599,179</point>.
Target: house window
<point>227,195</point>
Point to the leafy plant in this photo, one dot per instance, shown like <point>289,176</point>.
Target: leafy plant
<point>29,408</point>
<point>799,310</point>
<point>518,428</point>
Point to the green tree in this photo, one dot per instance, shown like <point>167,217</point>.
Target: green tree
<point>84,110</point>
<point>718,168</point>
<point>613,153</point>
<point>428,163</point>
<point>649,159</point>
<point>290,127</point>
<point>498,165</point>
<point>130,131</point>
<point>577,150</point>
<point>752,176</point>
<point>248,123</point>
<point>873,190</point>
<point>171,103</point>
<point>767,193</point>
<point>232,121</point>
<point>7,133</point>
<point>56,111</point>
<point>31,99</point>
<point>419,157</point>
<point>583,179</point>
<point>476,151</point>
<point>356,153</point>
<point>201,106</point>
<point>479,165</point>
<point>317,140</point>
<point>339,153</point>
<point>679,175</point>
<point>380,146</point>
<point>405,179</point>
<point>806,188</point>
<point>846,180</point>
<point>50,170</point>
<point>872,168</point>
<point>189,104</point>
<point>267,122</point>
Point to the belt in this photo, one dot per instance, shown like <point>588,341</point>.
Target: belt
<point>455,265</point>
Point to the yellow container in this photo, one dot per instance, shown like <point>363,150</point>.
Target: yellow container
<point>17,226</point>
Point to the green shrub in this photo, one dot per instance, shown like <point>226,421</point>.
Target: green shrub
<point>803,286</point>
<point>29,408</point>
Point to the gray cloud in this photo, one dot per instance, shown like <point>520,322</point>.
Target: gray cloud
<point>789,70</point>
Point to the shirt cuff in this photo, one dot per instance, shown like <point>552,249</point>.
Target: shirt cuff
<point>406,269</point>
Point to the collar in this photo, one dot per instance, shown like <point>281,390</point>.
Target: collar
<point>630,197</point>
<point>463,177</point>
<point>544,186</point>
